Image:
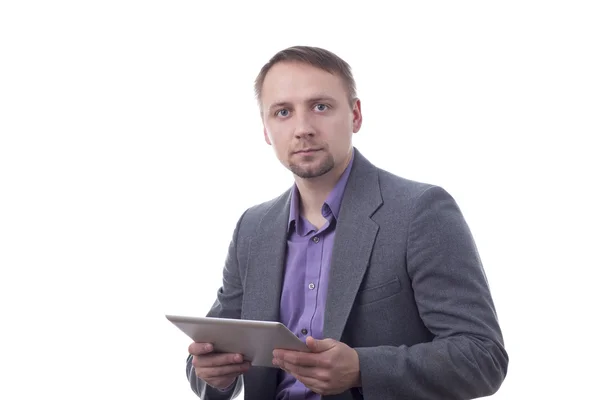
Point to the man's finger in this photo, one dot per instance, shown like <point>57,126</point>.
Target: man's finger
<point>217,360</point>
<point>198,349</point>
<point>297,358</point>
<point>319,346</point>
<point>312,373</point>
<point>223,371</point>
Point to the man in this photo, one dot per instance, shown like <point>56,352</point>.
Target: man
<point>378,274</point>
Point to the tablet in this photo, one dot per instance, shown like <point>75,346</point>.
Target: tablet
<point>255,340</point>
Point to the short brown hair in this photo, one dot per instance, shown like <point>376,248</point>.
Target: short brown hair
<point>316,57</point>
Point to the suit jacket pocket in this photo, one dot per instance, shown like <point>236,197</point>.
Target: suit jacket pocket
<point>375,293</point>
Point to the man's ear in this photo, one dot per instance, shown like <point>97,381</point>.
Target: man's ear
<point>356,116</point>
<point>267,139</point>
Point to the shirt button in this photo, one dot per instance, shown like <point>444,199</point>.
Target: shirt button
<point>304,331</point>
<point>311,286</point>
<point>315,239</point>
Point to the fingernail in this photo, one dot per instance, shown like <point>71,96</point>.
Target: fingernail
<point>207,347</point>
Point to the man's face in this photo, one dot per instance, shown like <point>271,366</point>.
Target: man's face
<point>307,118</point>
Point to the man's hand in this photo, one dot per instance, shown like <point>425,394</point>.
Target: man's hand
<point>218,370</point>
<point>330,368</point>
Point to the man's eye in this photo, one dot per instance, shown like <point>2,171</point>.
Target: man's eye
<point>282,113</point>
<point>321,107</point>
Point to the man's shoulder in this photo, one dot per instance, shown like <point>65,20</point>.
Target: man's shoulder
<point>255,214</point>
<point>262,209</point>
<point>393,185</point>
<point>400,194</point>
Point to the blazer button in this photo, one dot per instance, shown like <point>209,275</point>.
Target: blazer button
<point>304,331</point>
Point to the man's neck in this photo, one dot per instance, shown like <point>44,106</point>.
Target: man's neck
<point>314,191</point>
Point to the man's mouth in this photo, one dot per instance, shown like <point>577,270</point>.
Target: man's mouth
<point>307,151</point>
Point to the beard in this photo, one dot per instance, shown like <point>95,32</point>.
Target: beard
<point>320,165</point>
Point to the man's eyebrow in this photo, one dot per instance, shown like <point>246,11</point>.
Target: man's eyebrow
<point>321,98</point>
<point>278,105</point>
<point>314,99</point>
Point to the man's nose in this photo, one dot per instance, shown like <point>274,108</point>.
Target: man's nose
<point>304,126</point>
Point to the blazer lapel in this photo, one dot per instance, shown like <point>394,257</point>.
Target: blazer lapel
<point>266,262</point>
<point>354,239</point>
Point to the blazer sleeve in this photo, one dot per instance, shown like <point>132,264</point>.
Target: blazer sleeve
<point>227,305</point>
<point>466,359</point>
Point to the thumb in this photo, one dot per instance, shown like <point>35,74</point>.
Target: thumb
<point>319,346</point>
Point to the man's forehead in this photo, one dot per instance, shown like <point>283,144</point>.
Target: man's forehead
<point>296,83</point>
<point>296,76</point>
<point>286,68</point>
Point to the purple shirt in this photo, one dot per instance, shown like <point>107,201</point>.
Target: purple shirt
<point>306,277</point>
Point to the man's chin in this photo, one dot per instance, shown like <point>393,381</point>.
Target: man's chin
<point>309,173</point>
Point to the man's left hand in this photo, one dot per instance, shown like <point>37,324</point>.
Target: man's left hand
<point>331,367</point>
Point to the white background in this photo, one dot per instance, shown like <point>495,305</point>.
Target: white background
<point>130,143</point>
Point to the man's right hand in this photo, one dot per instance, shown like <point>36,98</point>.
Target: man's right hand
<point>218,370</point>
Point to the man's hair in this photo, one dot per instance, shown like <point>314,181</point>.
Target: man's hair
<point>316,57</point>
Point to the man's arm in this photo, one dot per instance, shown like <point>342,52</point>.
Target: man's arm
<point>467,358</point>
<point>227,305</point>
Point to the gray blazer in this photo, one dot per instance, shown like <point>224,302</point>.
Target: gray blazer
<point>407,291</point>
